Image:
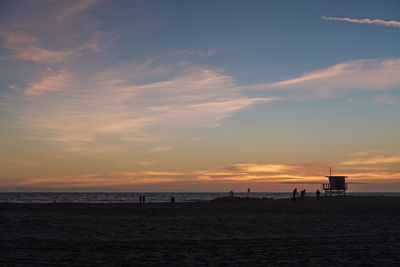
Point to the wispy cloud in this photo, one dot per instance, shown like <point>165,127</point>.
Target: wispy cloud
<point>109,99</point>
<point>357,169</point>
<point>265,172</point>
<point>365,153</point>
<point>112,179</point>
<point>52,82</point>
<point>373,160</point>
<point>26,47</point>
<point>71,10</point>
<point>386,99</point>
<point>51,24</point>
<point>161,148</point>
<point>391,23</point>
<point>191,52</point>
<point>365,74</point>
<point>105,106</point>
<point>262,167</point>
<point>146,163</point>
<point>241,173</point>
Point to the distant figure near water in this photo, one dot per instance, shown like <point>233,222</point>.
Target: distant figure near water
<point>302,194</point>
<point>318,193</point>
<point>294,194</point>
<point>231,193</point>
<point>248,190</point>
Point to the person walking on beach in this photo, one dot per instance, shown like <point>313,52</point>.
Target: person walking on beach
<point>294,194</point>
<point>302,194</point>
<point>317,193</point>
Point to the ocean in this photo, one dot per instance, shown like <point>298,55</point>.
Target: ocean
<point>153,197</point>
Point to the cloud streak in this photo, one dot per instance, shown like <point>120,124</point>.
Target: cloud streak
<point>373,160</point>
<point>112,179</point>
<point>243,174</point>
<point>107,106</point>
<point>362,75</point>
<point>51,25</point>
<point>391,23</point>
<point>52,82</point>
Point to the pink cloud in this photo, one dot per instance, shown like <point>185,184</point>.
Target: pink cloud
<point>75,8</point>
<point>113,106</point>
<point>52,82</point>
<point>364,74</point>
<point>51,24</point>
<point>26,47</point>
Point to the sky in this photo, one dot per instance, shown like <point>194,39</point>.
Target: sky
<point>199,96</point>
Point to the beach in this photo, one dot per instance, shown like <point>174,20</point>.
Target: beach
<point>334,231</point>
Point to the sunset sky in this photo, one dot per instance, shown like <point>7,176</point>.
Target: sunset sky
<point>199,95</point>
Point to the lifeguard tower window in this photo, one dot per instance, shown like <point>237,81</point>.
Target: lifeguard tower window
<point>337,185</point>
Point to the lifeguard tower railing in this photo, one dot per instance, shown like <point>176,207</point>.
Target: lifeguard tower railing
<point>336,185</point>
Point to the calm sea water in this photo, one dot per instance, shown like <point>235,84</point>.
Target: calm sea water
<point>134,197</point>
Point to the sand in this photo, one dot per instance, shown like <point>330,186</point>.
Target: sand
<point>335,231</point>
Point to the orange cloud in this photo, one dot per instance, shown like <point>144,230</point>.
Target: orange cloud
<point>245,174</point>
<point>377,176</point>
<point>265,172</point>
<point>113,179</point>
<point>373,160</point>
<point>365,153</point>
<point>263,167</point>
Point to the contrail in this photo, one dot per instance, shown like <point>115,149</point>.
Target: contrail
<point>391,23</point>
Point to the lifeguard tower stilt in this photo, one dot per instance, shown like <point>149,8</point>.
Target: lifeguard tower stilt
<point>337,184</point>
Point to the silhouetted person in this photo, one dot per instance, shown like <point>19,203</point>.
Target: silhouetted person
<point>248,190</point>
<point>302,194</point>
<point>294,194</point>
<point>231,193</point>
<point>317,193</point>
<point>172,199</point>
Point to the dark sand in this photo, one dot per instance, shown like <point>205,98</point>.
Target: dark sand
<point>336,231</point>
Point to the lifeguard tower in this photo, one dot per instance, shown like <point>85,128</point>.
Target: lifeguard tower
<point>337,184</point>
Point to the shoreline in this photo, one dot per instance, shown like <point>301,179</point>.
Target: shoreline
<point>71,197</point>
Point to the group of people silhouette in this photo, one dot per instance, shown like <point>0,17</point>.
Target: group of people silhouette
<point>303,194</point>
<point>295,193</point>
<point>142,199</point>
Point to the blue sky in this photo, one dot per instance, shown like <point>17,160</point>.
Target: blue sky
<point>198,96</point>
